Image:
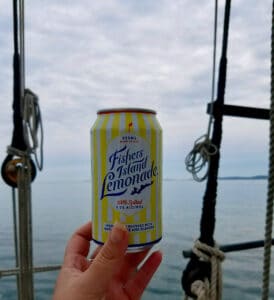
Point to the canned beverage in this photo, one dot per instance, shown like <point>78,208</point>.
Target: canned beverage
<point>126,160</point>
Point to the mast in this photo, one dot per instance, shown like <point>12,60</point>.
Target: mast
<point>24,170</point>
<point>18,169</point>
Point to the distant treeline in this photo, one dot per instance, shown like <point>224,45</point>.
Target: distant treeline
<point>257,177</point>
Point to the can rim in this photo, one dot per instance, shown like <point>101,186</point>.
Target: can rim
<point>126,109</point>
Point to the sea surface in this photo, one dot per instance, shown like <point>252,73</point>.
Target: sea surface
<point>61,207</point>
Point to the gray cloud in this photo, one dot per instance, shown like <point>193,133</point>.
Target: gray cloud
<point>83,56</point>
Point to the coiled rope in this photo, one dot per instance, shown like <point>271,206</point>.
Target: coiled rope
<point>32,122</point>
<point>199,157</point>
<point>270,195</point>
<point>31,125</point>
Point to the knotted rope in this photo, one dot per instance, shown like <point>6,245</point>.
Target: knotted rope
<point>200,156</point>
<point>208,289</point>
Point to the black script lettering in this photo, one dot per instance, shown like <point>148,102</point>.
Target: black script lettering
<point>109,185</point>
<point>114,157</point>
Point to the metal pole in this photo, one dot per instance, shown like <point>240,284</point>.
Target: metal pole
<point>24,190</point>
<point>16,271</point>
<point>25,231</point>
<point>15,233</point>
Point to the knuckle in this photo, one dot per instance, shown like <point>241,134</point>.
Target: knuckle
<point>107,254</point>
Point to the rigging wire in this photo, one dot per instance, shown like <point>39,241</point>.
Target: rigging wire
<point>213,67</point>
<point>22,50</point>
<point>199,157</point>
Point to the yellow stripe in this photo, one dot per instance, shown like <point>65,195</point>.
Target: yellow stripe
<point>160,179</point>
<point>103,155</point>
<point>153,146</point>
<point>129,129</point>
<point>115,132</point>
<point>95,125</point>
<point>143,134</point>
<point>94,154</point>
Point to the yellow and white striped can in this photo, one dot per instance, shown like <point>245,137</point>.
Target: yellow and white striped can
<point>126,162</point>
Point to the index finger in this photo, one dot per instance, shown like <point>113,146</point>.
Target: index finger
<point>79,242</point>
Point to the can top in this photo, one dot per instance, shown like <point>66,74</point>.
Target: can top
<point>126,109</point>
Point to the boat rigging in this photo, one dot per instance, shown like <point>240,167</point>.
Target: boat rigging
<point>202,276</point>
<point>19,170</point>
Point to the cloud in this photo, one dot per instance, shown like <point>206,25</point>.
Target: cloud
<point>83,56</point>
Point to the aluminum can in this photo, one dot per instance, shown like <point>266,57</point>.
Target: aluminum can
<point>126,163</point>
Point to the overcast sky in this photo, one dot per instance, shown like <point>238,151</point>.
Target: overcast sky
<point>82,56</point>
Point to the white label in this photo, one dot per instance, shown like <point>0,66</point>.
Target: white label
<point>130,174</point>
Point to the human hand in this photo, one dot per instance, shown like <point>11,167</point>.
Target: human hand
<point>111,274</point>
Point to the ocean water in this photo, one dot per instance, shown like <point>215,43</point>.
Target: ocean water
<point>60,207</point>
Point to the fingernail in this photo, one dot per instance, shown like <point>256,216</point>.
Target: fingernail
<point>117,232</point>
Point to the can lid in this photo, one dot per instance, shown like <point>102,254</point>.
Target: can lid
<point>126,109</point>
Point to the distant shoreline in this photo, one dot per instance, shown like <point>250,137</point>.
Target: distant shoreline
<point>69,180</point>
<point>257,177</point>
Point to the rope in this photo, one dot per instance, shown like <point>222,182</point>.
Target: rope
<point>196,269</point>
<point>16,152</point>
<point>32,121</point>
<point>205,289</point>
<point>207,224</point>
<point>17,137</point>
<point>200,155</point>
<point>270,196</point>
<point>200,289</point>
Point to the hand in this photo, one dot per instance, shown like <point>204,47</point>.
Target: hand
<point>111,274</point>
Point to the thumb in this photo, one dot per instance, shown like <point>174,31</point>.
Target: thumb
<point>108,260</point>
